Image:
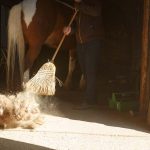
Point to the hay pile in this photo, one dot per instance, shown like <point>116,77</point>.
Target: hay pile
<point>19,111</point>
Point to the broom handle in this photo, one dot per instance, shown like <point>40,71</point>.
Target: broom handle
<point>58,48</point>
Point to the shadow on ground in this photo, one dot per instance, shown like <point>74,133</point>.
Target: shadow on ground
<point>14,145</point>
<point>101,114</point>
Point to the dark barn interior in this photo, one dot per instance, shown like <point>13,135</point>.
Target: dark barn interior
<point>120,56</point>
<point>119,68</point>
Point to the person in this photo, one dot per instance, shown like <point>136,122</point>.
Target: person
<point>89,36</point>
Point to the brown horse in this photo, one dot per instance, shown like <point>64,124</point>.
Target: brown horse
<point>31,24</point>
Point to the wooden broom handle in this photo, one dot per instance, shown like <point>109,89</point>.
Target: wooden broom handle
<point>58,48</point>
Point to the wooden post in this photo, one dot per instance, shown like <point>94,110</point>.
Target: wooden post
<point>148,115</point>
<point>144,57</point>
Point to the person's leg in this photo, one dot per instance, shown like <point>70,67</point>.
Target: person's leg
<point>81,57</point>
<point>88,57</point>
<point>93,49</point>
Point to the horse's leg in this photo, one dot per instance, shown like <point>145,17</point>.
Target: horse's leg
<point>32,54</point>
<point>30,57</point>
<point>82,83</point>
<point>26,76</point>
<point>71,68</point>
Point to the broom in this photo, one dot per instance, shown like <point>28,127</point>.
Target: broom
<point>43,83</point>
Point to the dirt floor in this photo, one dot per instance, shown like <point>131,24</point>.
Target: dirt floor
<point>64,128</point>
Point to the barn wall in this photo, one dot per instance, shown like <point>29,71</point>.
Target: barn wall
<point>144,80</point>
<point>123,24</point>
<point>3,44</point>
<point>145,65</point>
<point>3,26</point>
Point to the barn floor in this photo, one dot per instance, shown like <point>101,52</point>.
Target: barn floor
<point>67,129</point>
<point>95,129</point>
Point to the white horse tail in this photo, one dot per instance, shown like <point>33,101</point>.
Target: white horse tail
<point>15,42</point>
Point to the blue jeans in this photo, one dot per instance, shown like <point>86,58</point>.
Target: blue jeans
<point>89,55</point>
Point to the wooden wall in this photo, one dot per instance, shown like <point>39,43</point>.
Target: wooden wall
<point>145,59</point>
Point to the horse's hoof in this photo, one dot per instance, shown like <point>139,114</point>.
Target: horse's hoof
<point>67,85</point>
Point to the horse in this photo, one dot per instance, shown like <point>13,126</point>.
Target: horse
<point>31,24</point>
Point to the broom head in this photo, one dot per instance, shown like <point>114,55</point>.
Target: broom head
<point>43,83</point>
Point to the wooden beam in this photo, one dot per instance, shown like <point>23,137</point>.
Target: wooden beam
<point>144,57</point>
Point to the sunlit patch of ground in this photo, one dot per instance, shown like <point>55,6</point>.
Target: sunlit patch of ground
<point>68,129</point>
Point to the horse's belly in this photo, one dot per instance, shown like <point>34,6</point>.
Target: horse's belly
<point>53,39</point>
